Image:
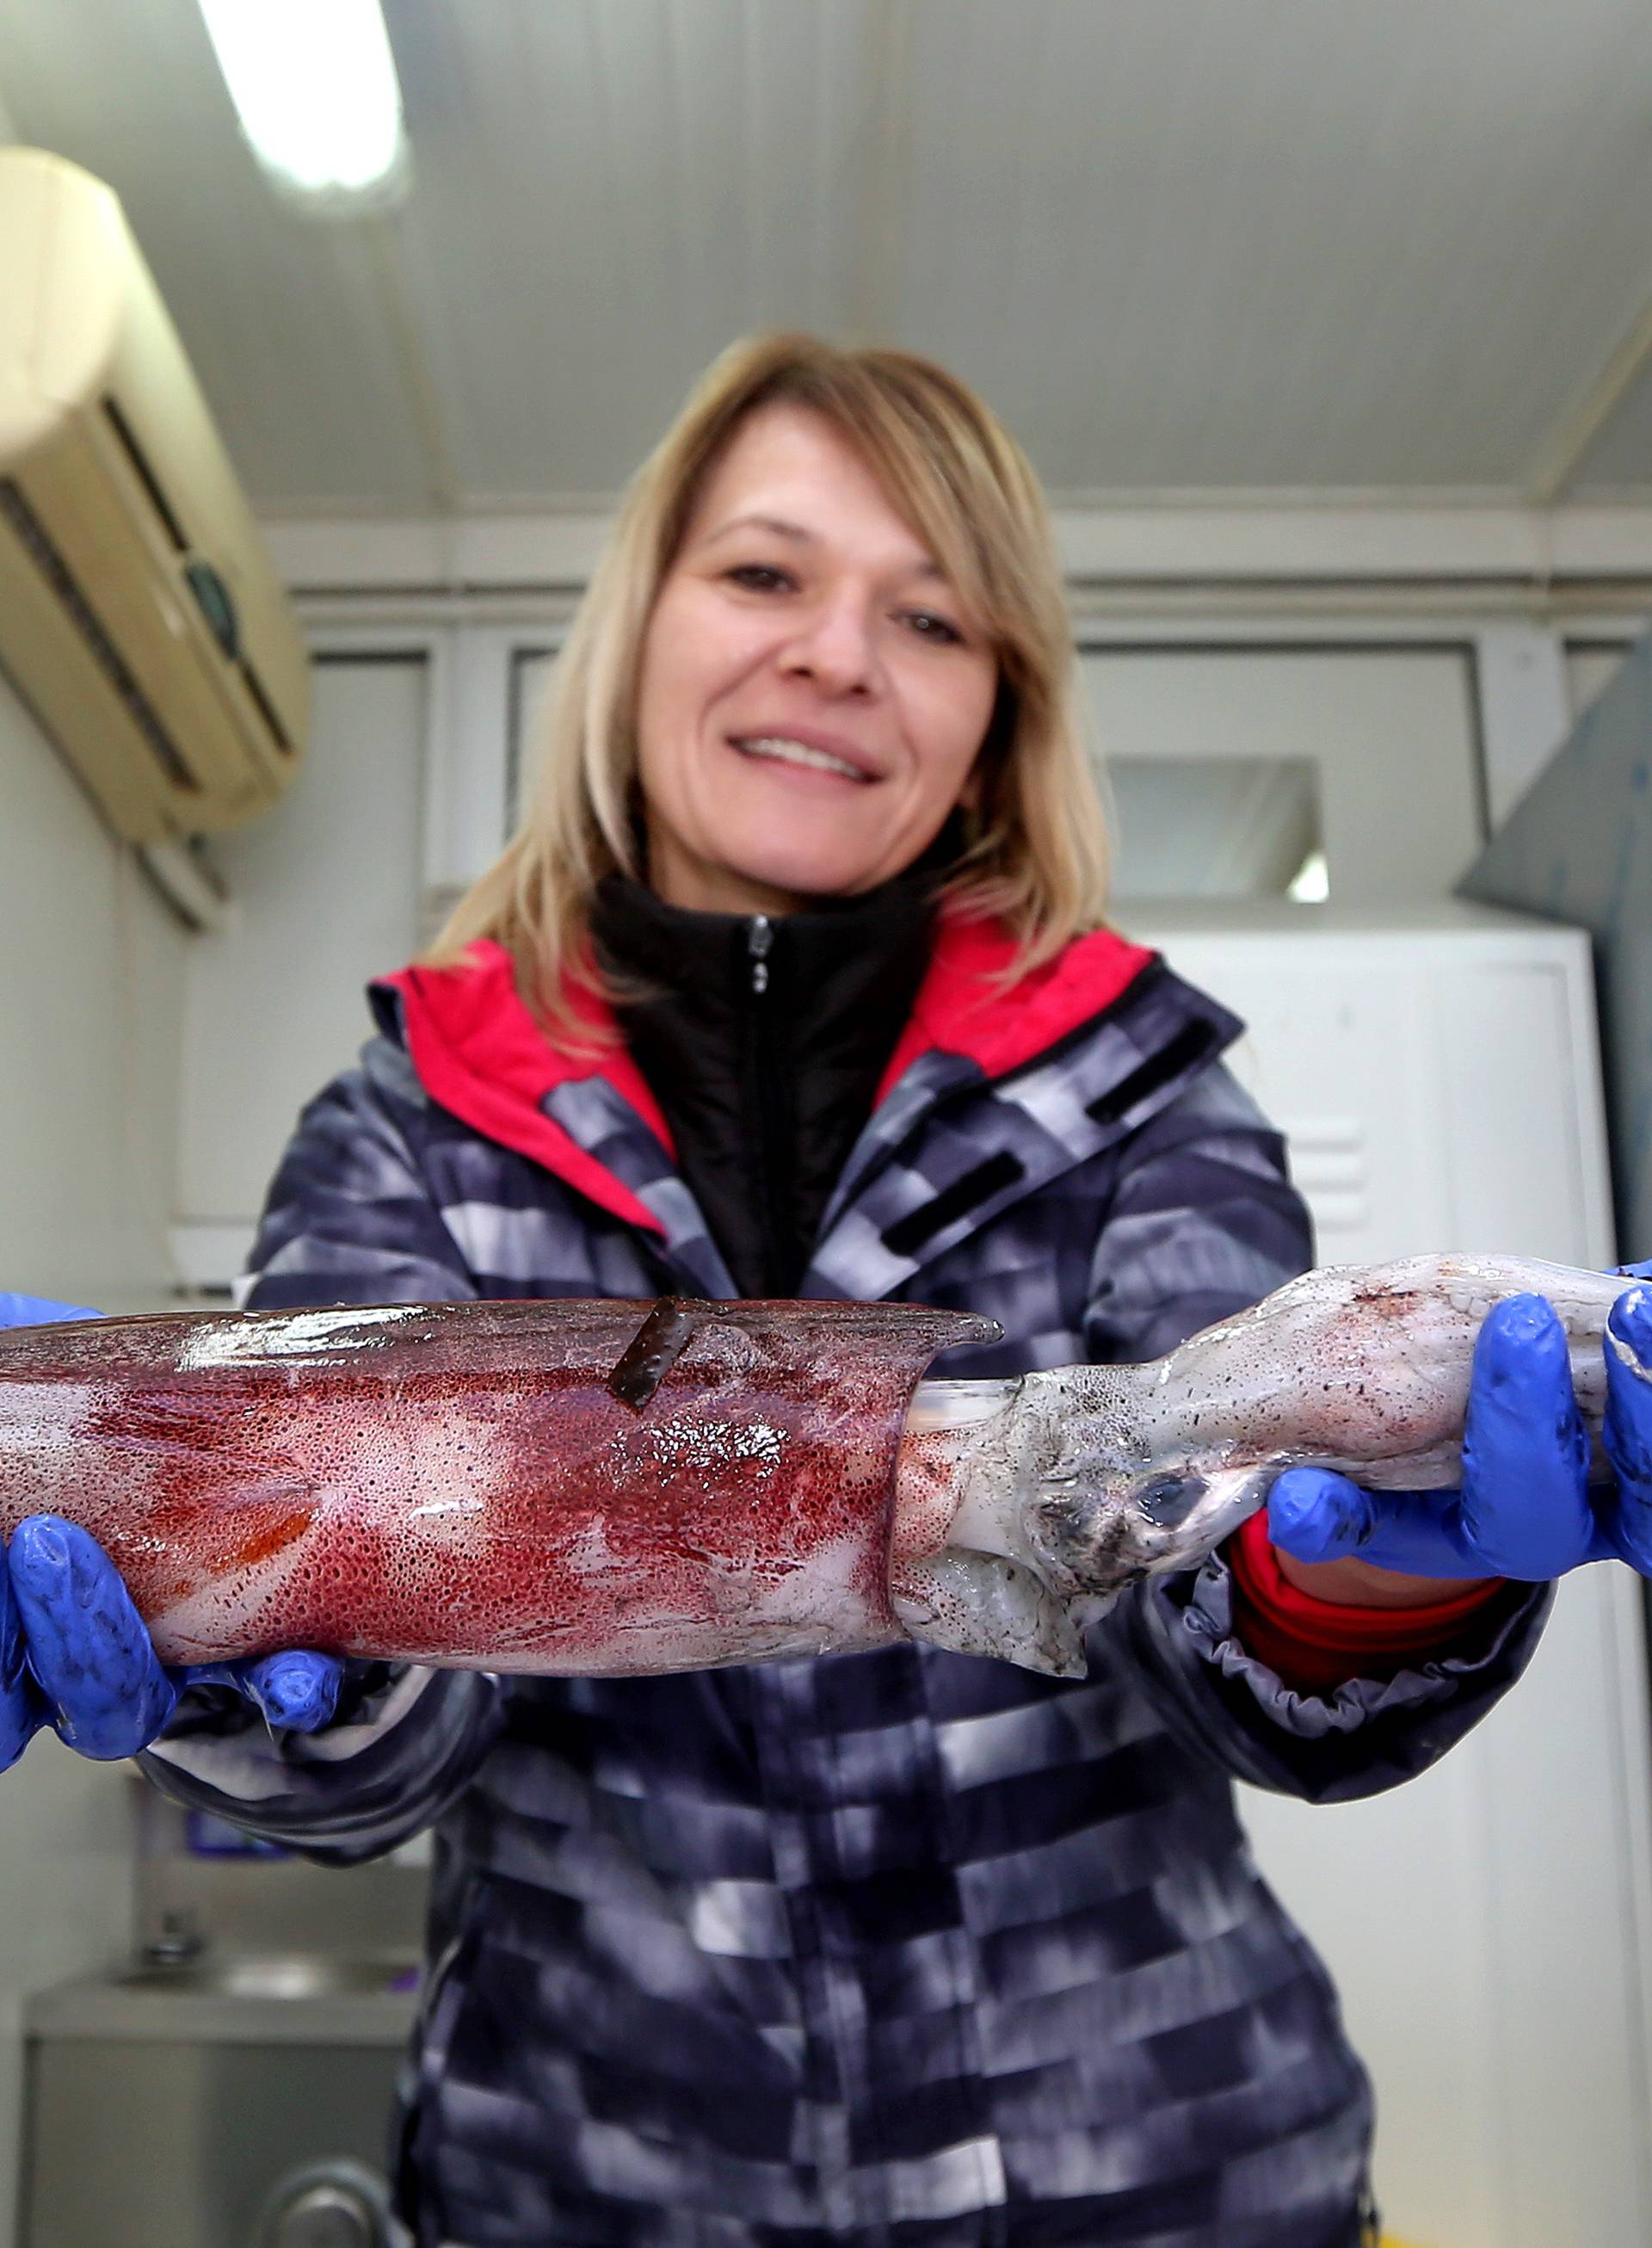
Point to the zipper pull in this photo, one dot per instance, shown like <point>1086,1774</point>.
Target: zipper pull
<point>760,939</point>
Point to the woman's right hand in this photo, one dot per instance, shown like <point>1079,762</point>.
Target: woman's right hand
<point>75,1656</point>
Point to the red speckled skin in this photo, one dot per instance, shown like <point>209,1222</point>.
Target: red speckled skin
<point>455,1483</point>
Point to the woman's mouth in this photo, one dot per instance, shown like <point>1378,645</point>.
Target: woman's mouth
<point>783,749</point>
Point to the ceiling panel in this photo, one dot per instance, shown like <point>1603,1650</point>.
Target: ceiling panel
<point>1183,245</point>
<point>1280,244</point>
<point>610,190</point>
<point>1619,463</point>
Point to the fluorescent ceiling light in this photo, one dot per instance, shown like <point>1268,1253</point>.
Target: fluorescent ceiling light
<point>314,84</point>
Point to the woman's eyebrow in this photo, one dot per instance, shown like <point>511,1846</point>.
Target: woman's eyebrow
<point>774,523</point>
<point>924,567</point>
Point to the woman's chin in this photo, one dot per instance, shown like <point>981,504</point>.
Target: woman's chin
<point>795,878</point>
<point>775,870</point>
<point>801,862</point>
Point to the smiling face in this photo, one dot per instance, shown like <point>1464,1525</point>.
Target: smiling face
<point>813,696</point>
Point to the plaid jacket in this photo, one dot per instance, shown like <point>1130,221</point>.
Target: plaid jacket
<point>901,1947</point>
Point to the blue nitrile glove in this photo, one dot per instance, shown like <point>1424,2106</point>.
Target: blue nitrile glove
<point>75,1655</point>
<point>1525,1510</point>
<point>37,1311</point>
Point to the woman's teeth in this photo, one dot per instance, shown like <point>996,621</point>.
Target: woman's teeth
<point>797,753</point>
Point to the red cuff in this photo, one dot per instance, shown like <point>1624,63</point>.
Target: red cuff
<point>1314,1645</point>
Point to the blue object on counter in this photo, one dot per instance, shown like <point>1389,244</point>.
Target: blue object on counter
<point>207,1836</point>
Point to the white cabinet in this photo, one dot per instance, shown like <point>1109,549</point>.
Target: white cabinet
<point>1435,1072</point>
<point>1490,1924</point>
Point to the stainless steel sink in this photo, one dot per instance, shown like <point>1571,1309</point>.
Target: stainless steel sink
<point>291,1975</point>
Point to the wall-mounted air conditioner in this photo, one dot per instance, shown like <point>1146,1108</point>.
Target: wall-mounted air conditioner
<point>141,616</point>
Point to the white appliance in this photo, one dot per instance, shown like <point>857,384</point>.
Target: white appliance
<point>1490,1924</point>
<point>141,616</point>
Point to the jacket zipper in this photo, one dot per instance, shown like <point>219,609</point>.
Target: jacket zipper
<point>760,943</point>
<point>771,1117</point>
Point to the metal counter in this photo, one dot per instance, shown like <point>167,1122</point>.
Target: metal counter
<point>186,2107</point>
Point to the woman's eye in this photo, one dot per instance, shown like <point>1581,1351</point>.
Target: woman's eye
<point>758,577</point>
<point>928,625</point>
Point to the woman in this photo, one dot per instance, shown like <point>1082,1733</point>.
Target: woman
<point>795,981</point>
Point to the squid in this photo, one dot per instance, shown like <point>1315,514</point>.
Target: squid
<point>621,1488</point>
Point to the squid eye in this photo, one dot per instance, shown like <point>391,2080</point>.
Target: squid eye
<point>1167,1500</point>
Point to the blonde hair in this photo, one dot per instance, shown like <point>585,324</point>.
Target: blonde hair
<point>1036,853</point>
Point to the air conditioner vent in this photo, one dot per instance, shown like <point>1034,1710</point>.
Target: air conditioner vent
<point>145,475</point>
<point>265,707</point>
<point>71,597</point>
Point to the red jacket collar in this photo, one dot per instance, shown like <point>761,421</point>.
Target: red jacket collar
<point>478,1051</point>
<point>963,1007</point>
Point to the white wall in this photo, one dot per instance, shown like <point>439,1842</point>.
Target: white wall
<point>325,891</point>
<point>91,1010</point>
<point>91,1007</point>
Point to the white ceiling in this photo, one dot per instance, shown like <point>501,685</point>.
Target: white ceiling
<point>1184,245</point>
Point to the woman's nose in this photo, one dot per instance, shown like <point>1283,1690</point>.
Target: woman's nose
<point>835,648</point>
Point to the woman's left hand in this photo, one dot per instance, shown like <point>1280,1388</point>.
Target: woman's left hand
<point>1525,1510</point>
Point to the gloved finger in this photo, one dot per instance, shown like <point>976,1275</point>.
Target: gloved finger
<point>1526,1511</point>
<point>295,1691</point>
<point>88,1647</point>
<point>39,1311</point>
<point>297,1688</point>
<point>22,1711</point>
<point>1627,1432</point>
<point>1315,1515</point>
<point>1634,1271</point>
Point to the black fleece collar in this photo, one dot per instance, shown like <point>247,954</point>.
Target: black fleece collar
<point>763,1039</point>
